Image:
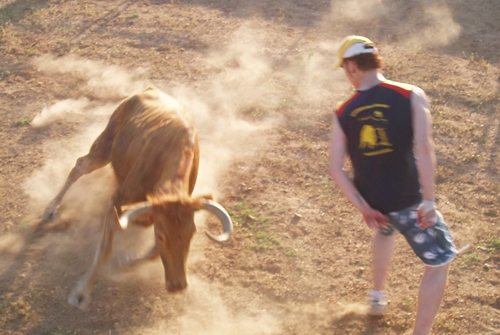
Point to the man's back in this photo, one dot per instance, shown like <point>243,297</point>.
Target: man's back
<point>377,123</point>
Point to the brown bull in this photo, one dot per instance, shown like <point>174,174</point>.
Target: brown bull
<point>153,149</point>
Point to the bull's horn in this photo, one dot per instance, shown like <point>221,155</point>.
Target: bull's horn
<point>134,210</point>
<point>223,216</point>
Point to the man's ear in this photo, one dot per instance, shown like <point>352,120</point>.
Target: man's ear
<point>350,66</point>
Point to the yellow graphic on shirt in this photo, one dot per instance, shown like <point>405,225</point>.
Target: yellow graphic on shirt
<point>358,110</point>
<point>367,137</point>
<point>373,137</point>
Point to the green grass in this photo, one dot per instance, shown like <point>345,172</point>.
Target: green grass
<point>266,240</point>
<point>242,213</point>
<point>447,324</point>
<point>493,244</point>
<point>480,62</point>
<point>23,122</point>
<point>306,144</point>
<point>7,13</point>
<point>470,259</point>
<point>409,302</point>
<point>16,11</point>
<point>23,224</point>
<point>256,226</point>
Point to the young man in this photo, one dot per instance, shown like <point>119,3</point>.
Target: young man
<point>385,129</point>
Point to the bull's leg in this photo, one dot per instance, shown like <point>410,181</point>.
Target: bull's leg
<point>80,295</point>
<point>129,262</point>
<point>98,157</point>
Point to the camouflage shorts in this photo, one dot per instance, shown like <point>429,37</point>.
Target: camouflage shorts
<point>433,245</point>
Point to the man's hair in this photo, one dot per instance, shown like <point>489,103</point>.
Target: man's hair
<point>369,61</point>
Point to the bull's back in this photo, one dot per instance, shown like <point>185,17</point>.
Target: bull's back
<point>150,139</point>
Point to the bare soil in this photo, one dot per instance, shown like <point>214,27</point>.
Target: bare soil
<point>257,77</point>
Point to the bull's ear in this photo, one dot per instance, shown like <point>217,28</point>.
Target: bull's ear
<point>199,202</point>
<point>135,211</point>
<point>117,217</point>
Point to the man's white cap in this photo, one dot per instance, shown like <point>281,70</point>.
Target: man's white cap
<point>352,46</point>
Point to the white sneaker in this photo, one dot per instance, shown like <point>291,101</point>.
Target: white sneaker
<point>377,301</point>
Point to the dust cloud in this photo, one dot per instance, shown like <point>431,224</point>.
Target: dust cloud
<point>99,80</point>
<point>245,80</point>
<point>242,83</point>
<point>46,182</point>
<point>358,10</point>
<point>58,111</point>
<point>426,23</point>
<point>208,314</point>
<point>440,28</point>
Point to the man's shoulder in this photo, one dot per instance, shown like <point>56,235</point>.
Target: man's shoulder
<point>402,88</point>
<point>341,106</point>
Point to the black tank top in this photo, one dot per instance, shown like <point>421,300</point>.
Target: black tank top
<point>378,126</point>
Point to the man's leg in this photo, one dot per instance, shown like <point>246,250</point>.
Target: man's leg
<point>382,246</point>
<point>430,296</point>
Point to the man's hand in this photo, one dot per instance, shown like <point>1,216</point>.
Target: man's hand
<point>373,218</point>
<point>427,214</point>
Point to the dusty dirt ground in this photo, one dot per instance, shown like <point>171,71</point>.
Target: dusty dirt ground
<point>257,77</point>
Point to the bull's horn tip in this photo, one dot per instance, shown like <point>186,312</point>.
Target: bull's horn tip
<point>219,238</point>
<point>123,223</point>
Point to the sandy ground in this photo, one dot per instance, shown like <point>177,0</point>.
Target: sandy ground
<point>257,78</point>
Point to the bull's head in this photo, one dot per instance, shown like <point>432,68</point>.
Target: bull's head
<point>174,227</point>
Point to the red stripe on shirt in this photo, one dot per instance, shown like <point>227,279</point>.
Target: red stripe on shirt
<point>340,110</point>
<point>404,92</point>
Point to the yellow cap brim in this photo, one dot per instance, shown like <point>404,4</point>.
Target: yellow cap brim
<point>338,64</point>
<point>347,43</point>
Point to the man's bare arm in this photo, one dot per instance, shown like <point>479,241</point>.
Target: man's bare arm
<point>372,217</point>
<point>426,160</point>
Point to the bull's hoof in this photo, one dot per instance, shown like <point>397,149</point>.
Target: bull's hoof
<point>174,287</point>
<point>125,262</point>
<point>49,214</point>
<point>79,298</point>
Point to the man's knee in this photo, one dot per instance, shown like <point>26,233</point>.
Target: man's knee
<point>438,271</point>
